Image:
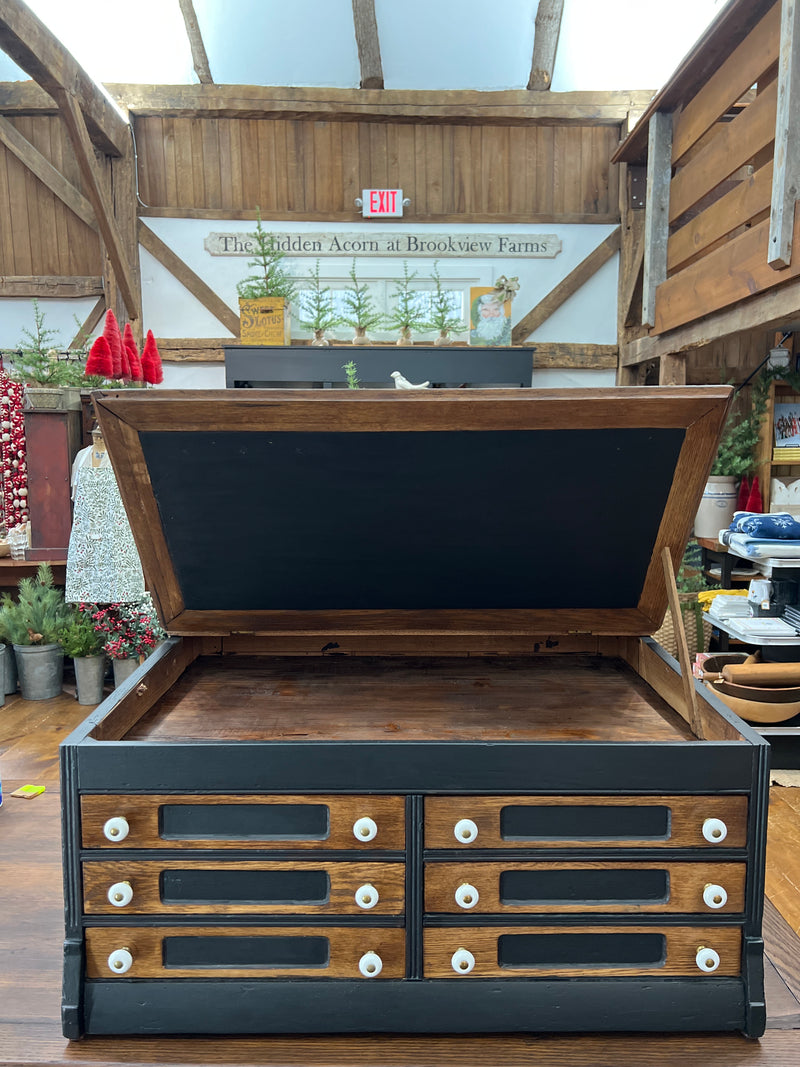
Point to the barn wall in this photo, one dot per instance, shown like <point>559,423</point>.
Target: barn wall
<point>317,168</point>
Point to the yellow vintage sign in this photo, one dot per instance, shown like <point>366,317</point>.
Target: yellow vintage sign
<point>264,321</point>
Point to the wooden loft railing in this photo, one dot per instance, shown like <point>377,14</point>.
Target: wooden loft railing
<point>723,175</point>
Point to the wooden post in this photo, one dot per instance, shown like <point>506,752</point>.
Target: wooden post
<point>786,174</point>
<point>656,221</point>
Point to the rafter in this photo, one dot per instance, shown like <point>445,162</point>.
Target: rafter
<point>41,55</point>
<point>369,47</point>
<point>82,147</point>
<point>199,54</point>
<point>545,43</point>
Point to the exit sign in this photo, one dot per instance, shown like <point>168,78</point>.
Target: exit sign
<point>382,203</point>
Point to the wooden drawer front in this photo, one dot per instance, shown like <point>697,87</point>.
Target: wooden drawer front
<point>602,822</point>
<point>230,888</point>
<point>525,952</point>
<point>483,888</point>
<point>218,822</point>
<point>244,952</point>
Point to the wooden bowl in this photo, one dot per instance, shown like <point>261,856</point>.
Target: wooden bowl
<point>756,704</point>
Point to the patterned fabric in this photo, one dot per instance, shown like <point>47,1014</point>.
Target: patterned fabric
<point>759,547</point>
<point>102,562</point>
<point>782,525</point>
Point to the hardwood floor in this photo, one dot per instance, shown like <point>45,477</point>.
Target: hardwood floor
<point>31,924</point>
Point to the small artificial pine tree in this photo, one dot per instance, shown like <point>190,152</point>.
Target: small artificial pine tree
<point>406,314</point>
<point>360,310</point>
<point>317,307</point>
<point>270,278</point>
<point>36,360</point>
<point>442,317</point>
<point>39,613</point>
<point>351,374</point>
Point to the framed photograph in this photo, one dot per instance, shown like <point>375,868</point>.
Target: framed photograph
<point>489,318</point>
<point>786,421</point>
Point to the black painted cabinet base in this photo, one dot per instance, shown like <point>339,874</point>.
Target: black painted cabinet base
<point>443,1006</point>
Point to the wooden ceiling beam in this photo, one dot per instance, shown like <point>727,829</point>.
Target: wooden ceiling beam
<point>106,223</point>
<point>41,286</point>
<point>55,181</point>
<point>545,43</point>
<point>199,54</point>
<point>515,107</point>
<point>369,46</point>
<point>42,56</point>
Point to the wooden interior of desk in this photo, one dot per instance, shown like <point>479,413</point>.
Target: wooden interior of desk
<point>550,698</point>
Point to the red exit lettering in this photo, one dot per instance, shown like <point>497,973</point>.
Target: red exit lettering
<point>382,201</point>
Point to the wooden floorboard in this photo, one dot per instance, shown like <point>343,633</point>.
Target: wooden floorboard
<point>31,930</point>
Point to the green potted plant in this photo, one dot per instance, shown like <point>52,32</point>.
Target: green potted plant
<point>32,623</point>
<point>442,317</point>
<point>44,367</point>
<point>407,314</point>
<point>265,295</point>
<point>360,311</point>
<point>736,456</point>
<point>80,640</point>
<point>316,307</point>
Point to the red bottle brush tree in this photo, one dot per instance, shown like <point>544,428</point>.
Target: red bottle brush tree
<point>114,338</point>
<point>152,371</point>
<point>99,363</point>
<point>129,344</point>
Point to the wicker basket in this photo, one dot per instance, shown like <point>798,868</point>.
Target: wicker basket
<point>695,622</point>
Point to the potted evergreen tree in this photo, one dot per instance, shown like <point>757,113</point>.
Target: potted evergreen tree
<point>44,367</point>
<point>80,640</point>
<point>265,295</point>
<point>32,623</point>
<point>360,311</point>
<point>406,314</point>
<point>442,317</point>
<point>317,307</point>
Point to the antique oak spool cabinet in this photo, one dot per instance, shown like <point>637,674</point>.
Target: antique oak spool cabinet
<point>409,760</point>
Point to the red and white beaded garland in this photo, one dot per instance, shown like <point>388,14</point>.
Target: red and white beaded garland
<point>12,453</point>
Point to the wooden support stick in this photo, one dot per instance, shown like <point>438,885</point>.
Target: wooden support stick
<point>692,711</point>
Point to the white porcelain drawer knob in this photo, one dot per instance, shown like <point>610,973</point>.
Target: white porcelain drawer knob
<point>120,961</point>
<point>707,959</point>
<point>714,896</point>
<point>715,830</point>
<point>116,829</point>
<point>462,961</point>
<point>370,965</point>
<point>365,829</point>
<point>465,831</point>
<point>467,896</point>
<point>366,896</point>
<point>120,894</point>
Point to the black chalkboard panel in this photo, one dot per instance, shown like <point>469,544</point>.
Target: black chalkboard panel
<point>411,520</point>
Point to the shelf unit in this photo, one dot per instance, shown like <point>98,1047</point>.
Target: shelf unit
<point>767,468</point>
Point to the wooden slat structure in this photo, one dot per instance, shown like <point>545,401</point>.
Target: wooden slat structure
<point>721,243</point>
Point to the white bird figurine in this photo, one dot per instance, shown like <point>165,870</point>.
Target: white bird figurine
<point>403,383</point>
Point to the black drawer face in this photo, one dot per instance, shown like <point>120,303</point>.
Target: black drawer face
<point>562,822</point>
<point>581,950</point>
<point>244,887</point>
<point>259,953</point>
<point>245,822</point>
<point>649,886</point>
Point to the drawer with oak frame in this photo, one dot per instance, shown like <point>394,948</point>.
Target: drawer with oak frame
<point>245,952</point>
<point>242,821</point>
<point>229,887</point>
<point>572,951</point>
<point>587,822</point>
<point>608,886</point>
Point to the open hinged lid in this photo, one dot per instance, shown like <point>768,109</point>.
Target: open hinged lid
<point>426,512</point>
